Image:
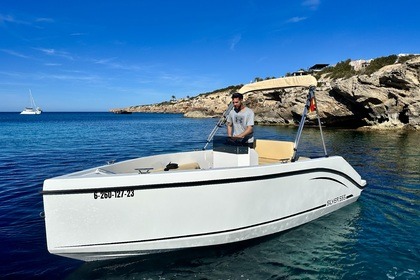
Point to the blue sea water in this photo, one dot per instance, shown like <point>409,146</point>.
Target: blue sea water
<point>375,238</point>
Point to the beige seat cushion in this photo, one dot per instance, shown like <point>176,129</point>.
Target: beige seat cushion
<point>271,151</point>
<point>191,165</point>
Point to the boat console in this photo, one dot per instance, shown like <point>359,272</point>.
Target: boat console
<point>230,152</point>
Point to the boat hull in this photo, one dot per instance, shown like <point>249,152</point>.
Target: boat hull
<point>121,215</point>
<point>31,112</point>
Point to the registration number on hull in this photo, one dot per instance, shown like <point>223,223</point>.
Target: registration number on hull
<point>336,200</point>
<point>113,194</point>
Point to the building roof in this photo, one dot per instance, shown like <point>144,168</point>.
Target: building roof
<point>318,66</point>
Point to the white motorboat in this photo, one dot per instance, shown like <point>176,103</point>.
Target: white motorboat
<point>199,198</point>
<point>33,109</point>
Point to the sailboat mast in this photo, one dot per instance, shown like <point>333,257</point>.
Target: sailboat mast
<point>33,105</point>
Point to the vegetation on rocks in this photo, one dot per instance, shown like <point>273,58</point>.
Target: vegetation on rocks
<point>382,93</point>
<point>342,69</point>
<point>229,88</point>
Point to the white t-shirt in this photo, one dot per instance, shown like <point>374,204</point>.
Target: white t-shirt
<point>240,120</point>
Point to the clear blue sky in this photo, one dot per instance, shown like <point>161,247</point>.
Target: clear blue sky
<point>97,55</point>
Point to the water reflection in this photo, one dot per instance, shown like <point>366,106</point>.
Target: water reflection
<point>303,251</point>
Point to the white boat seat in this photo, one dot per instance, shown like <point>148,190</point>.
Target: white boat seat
<point>272,151</point>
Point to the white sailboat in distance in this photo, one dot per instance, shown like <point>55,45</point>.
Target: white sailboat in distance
<point>33,109</point>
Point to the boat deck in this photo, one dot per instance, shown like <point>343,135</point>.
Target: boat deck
<point>266,152</point>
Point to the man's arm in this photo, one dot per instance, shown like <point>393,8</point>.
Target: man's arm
<point>249,129</point>
<point>229,129</point>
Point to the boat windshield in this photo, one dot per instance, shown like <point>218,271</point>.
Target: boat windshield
<point>230,145</point>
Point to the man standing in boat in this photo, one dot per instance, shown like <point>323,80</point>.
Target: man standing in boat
<point>240,121</point>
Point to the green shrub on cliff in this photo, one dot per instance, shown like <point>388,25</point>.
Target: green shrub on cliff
<point>378,63</point>
<point>404,58</point>
<point>229,88</point>
<point>342,69</point>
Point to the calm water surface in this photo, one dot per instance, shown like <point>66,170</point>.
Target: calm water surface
<point>375,238</point>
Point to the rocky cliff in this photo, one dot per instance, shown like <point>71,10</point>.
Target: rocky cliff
<point>388,98</point>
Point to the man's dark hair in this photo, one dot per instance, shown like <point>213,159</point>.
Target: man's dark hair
<point>238,95</point>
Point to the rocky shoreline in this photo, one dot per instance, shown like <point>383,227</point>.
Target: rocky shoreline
<point>389,98</point>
